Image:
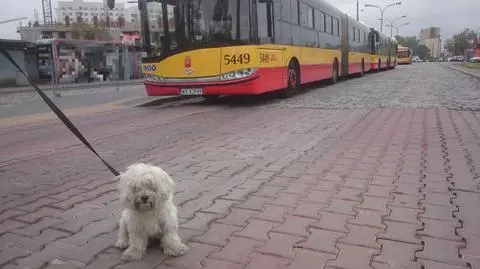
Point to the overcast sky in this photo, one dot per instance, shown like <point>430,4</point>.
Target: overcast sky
<point>451,16</point>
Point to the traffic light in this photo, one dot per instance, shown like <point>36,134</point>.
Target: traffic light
<point>111,4</point>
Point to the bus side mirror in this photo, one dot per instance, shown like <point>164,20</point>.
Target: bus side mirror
<point>111,4</point>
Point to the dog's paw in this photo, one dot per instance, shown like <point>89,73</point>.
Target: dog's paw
<point>132,254</point>
<point>121,244</point>
<point>176,250</point>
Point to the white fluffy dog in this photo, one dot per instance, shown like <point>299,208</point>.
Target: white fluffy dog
<point>147,191</point>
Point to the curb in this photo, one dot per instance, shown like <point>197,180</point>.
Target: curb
<point>71,87</point>
<point>463,71</point>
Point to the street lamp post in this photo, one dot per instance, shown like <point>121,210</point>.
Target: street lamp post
<point>391,23</point>
<point>403,24</point>
<point>357,11</point>
<point>382,10</point>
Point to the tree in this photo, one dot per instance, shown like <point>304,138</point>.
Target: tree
<point>408,41</point>
<point>121,21</point>
<point>450,45</point>
<point>422,51</point>
<point>87,31</point>
<point>460,42</point>
<point>414,44</point>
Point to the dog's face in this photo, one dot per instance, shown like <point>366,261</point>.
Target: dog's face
<point>143,188</point>
<point>143,194</point>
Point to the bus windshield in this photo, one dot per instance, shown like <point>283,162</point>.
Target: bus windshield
<point>193,23</point>
<point>403,53</point>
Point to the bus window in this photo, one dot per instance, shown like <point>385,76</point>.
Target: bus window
<point>221,20</point>
<point>265,21</point>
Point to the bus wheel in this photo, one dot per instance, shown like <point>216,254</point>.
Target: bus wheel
<point>334,72</point>
<point>293,80</point>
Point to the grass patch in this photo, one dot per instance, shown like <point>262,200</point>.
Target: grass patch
<point>472,65</point>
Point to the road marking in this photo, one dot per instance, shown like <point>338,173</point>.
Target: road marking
<point>50,116</point>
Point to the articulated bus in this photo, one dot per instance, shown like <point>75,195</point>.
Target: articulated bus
<point>235,47</point>
<point>404,55</point>
<point>383,51</point>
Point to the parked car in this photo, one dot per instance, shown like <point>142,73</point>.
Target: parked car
<point>475,60</point>
<point>416,59</point>
<point>457,58</point>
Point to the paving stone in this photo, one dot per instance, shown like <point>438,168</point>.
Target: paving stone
<point>363,236</point>
<point>332,221</point>
<point>256,229</point>
<point>294,225</point>
<point>236,250</point>
<point>374,203</point>
<point>280,244</point>
<point>352,257</point>
<point>237,217</point>
<point>12,253</point>
<point>440,250</point>
<point>440,229</point>
<point>193,258</point>
<point>396,254</point>
<point>273,213</point>
<point>217,234</point>
<point>306,259</point>
<point>262,261</point>
<point>439,265</point>
<point>215,264</point>
<point>401,232</point>
<point>403,214</point>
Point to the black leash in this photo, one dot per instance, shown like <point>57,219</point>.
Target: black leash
<point>58,112</point>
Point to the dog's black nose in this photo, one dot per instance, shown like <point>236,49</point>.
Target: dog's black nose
<point>144,198</point>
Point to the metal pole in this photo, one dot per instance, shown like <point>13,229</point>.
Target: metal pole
<point>381,21</point>
<point>357,11</point>
<point>117,59</point>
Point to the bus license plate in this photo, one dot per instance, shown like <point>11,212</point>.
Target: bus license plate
<point>191,91</point>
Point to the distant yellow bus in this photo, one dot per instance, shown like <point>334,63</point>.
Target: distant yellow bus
<point>404,55</point>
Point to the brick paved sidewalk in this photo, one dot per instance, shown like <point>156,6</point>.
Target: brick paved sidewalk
<point>335,189</point>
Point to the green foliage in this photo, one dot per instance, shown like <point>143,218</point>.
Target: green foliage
<point>460,42</point>
<point>472,65</point>
<point>408,41</point>
<point>422,51</point>
<point>414,44</point>
<point>91,32</point>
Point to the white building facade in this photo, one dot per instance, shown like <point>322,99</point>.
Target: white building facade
<point>88,12</point>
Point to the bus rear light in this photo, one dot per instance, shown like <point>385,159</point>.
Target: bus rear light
<point>238,74</point>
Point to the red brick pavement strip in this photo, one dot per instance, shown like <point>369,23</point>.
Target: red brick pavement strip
<point>334,190</point>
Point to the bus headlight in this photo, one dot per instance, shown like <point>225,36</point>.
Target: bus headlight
<point>238,74</point>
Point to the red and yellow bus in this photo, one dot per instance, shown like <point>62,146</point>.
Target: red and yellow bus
<point>404,55</point>
<point>236,47</point>
<point>384,51</point>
